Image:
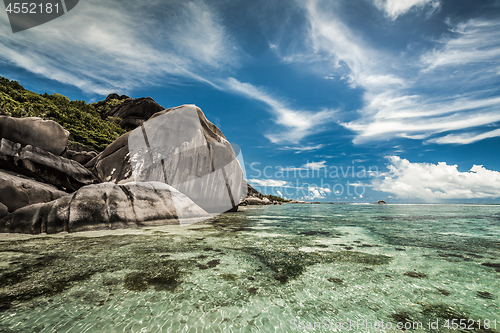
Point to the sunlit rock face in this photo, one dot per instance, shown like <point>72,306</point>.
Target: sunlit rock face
<point>180,147</point>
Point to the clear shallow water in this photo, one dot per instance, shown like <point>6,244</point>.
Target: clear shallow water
<point>268,269</point>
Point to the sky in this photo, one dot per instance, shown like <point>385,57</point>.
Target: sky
<point>332,101</point>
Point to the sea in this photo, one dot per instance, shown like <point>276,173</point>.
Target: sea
<point>288,268</point>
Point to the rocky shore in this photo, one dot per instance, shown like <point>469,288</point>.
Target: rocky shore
<point>49,184</point>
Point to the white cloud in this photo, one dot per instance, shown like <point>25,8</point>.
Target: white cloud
<point>433,182</point>
<point>395,8</point>
<point>316,192</point>
<point>269,182</point>
<point>279,193</point>
<point>465,138</point>
<point>301,149</point>
<point>296,124</point>
<point>315,165</point>
<point>405,96</point>
<point>472,42</point>
<point>101,47</point>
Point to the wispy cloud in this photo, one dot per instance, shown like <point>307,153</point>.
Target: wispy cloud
<point>309,166</point>
<point>301,149</point>
<point>433,182</point>
<point>295,124</point>
<point>269,182</point>
<point>465,138</point>
<point>395,8</point>
<point>101,47</point>
<point>420,101</point>
<point>315,165</point>
<point>473,42</point>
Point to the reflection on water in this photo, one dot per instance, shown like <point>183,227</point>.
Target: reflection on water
<point>270,269</point>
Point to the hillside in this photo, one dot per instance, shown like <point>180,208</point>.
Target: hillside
<point>87,123</point>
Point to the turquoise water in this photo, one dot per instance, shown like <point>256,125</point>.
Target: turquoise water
<point>266,269</point>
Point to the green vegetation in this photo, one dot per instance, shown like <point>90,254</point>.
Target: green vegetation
<point>82,120</point>
<point>275,198</point>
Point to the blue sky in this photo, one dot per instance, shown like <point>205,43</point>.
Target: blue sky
<point>310,90</point>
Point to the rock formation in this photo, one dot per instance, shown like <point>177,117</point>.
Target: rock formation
<point>132,112</point>
<point>17,191</point>
<point>172,169</point>
<point>180,147</point>
<point>106,206</point>
<point>42,165</point>
<point>113,164</point>
<point>44,134</point>
<point>255,198</point>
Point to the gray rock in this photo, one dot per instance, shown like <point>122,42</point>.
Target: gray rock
<point>106,206</point>
<point>251,192</point>
<point>17,191</point>
<point>133,112</point>
<point>44,166</point>
<point>82,157</point>
<point>180,147</point>
<point>255,201</point>
<point>4,211</point>
<point>45,134</point>
<point>113,164</point>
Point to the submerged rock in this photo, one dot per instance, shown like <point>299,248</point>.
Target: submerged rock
<point>494,265</point>
<point>444,311</point>
<point>33,131</point>
<point>335,280</point>
<point>415,274</point>
<point>106,206</point>
<point>485,294</point>
<point>17,191</point>
<point>164,275</point>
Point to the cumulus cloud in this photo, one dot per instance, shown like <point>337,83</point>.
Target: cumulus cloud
<point>315,165</point>
<point>395,8</point>
<point>316,192</point>
<point>434,182</point>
